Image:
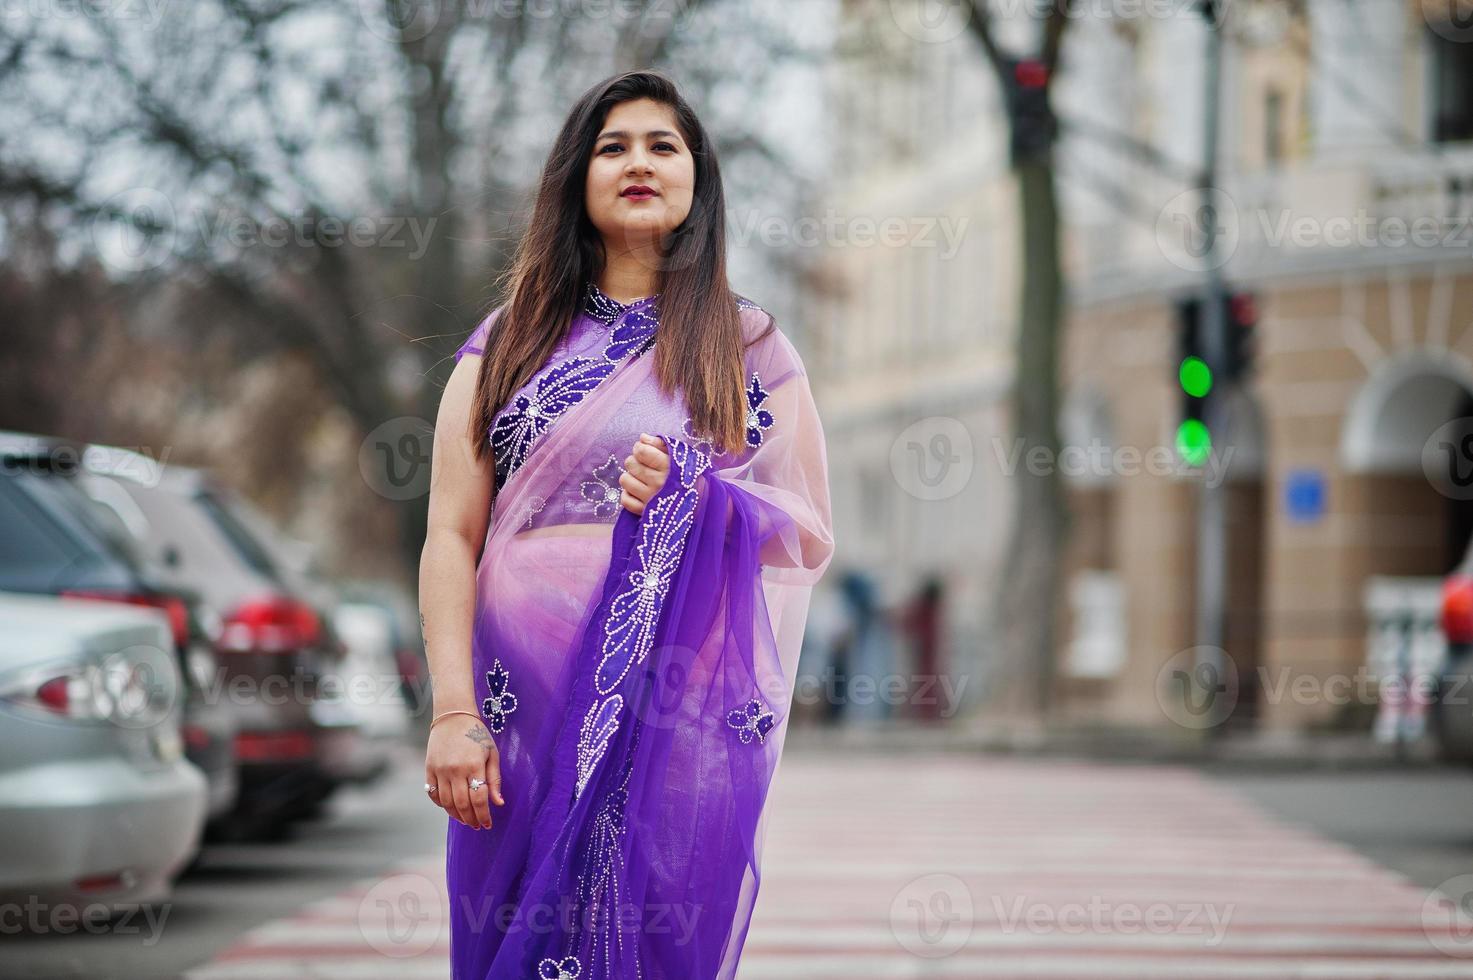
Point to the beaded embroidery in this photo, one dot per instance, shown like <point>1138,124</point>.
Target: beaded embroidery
<point>758,418</point>
<point>521,423</point>
<point>751,720</point>
<point>501,702</point>
<point>603,492</point>
<point>566,968</point>
<point>629,627</point>
<point>604,308</point>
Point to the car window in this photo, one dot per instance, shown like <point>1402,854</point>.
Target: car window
<point>251,551</point>
<point>40,550</point>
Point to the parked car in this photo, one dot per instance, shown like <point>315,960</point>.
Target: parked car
<point>273,639</point>
<point>408,640</point>
<point>98,803</point>
<point>57,541</point>
<point>1452,713</point>
<point>370,686</point>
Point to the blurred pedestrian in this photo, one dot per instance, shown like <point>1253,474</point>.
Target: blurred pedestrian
<point>869,654</point>
<point>921,622</point>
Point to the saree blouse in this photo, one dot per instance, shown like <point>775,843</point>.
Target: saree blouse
<point>603,333</point>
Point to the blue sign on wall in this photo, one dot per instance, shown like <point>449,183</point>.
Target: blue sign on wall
<point>1305,495</point>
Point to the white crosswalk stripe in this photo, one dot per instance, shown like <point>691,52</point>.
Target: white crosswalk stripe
<point>955,866</point>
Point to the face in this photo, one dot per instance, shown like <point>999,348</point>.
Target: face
<point>639,146</point>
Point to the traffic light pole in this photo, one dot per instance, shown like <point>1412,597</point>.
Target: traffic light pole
<point>1211,507</point>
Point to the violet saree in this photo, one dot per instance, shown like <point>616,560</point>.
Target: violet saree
<point>635,672</point>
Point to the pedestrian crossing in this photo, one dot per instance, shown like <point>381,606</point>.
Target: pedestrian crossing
<point>939,865</point>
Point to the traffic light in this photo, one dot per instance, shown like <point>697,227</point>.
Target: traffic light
<point>1241,317</point>
<point>1199,379</point>
<point>1195,380</point>
<point>1033,124</point>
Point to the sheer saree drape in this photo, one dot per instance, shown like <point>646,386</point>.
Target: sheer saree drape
<point>637,680</point>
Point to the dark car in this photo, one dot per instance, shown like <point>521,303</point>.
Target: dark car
<point>59,542</point>
<point>274,638</point>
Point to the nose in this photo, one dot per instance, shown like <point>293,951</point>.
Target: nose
<point>638,162</point>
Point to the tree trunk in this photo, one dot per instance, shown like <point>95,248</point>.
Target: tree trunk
<point>1026,611</point>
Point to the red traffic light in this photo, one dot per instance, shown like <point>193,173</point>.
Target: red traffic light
<point>1243,309</point>
<point>1030,74</point>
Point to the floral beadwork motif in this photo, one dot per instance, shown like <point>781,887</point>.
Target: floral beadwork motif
<point>527,417</point>
<point>501,701</point>
<point>566,968</point>
<point>758,418</point>
<point>599,725</point>
<point>603,492</point>
<point>518,427</point>
<point>751,720</point>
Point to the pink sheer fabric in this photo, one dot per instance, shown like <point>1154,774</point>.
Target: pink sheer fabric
<point>709,736</point>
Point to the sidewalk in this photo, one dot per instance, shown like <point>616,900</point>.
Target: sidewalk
<point>1258,750</point>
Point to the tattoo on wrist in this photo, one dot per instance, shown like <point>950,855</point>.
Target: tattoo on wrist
<point>481,737</point>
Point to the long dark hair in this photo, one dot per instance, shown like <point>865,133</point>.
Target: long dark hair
<point>699,342</point>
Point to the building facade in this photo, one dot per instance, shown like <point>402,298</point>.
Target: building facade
<point>1345,186</point>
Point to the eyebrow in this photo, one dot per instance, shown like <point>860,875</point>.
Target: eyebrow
<point>621,134</point>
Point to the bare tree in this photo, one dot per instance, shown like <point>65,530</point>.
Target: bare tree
<point>1027,608</point>
<point>237,145</point>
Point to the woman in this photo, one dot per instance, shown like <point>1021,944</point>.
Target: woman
<point>613,661</point>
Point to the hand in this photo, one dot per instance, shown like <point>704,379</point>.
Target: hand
<point>644,473</point>
<point>460,748</point>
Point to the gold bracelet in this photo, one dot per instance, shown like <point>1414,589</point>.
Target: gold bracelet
<point>454,711</point>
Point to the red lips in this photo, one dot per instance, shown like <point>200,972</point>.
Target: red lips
<point>638,190</point>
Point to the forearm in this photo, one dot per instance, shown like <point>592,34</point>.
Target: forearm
<point>447,602</point>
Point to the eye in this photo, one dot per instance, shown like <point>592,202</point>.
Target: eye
<point>667,146</point>
<point>611,146</point>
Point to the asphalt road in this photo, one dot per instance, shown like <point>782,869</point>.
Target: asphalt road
<point>1418,822</point>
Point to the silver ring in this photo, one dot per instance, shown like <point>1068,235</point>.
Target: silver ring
<point>477,782</point>
<point>431,788</point>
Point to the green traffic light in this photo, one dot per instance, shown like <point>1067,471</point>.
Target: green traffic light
<point>1196,377</point>
<point>1194,442</point>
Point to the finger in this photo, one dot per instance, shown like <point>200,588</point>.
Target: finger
<point>631,503</point>
<point>480,809</point>
<point>443,793</point>
<point>655,441</point>
<point>637,487</point>
<point>643,473</point>
<point>464,812</point>
<point>493,778</point>
<point>648,453</point>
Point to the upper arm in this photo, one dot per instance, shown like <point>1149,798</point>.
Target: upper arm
<point>460,483</point>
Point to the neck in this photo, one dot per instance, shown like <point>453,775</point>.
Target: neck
<point>629,270</point>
